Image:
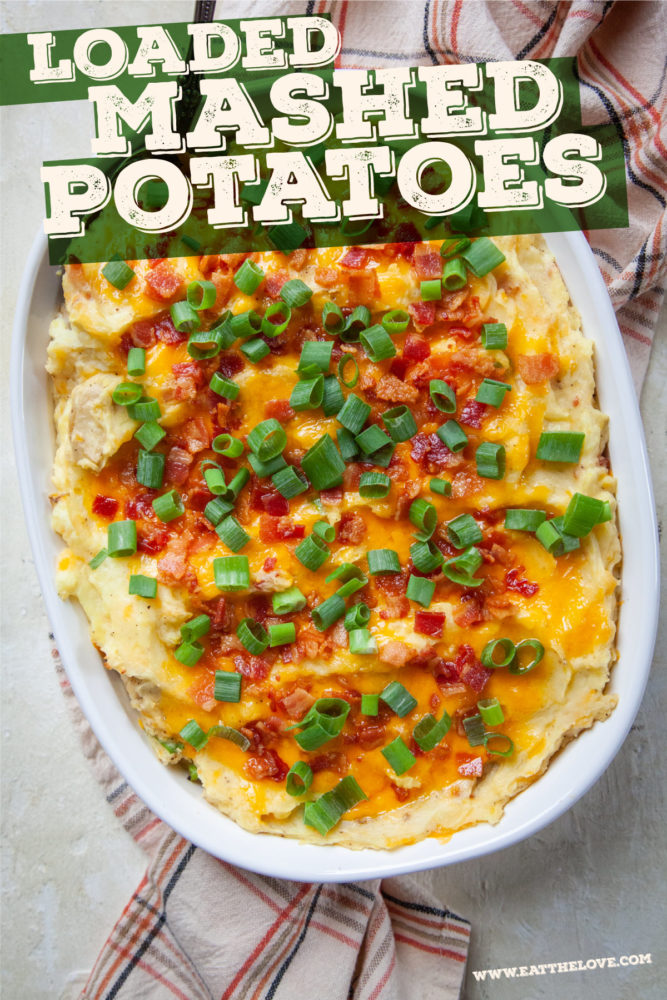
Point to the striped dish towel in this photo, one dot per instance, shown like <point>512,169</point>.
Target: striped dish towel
<point>197,928</point>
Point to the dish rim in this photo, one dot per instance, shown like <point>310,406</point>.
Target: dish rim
<point>180,804</point>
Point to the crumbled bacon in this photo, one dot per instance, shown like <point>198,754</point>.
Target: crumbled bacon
<point>177,468</point>
<point>392,390</point>
<point>273,283</point>
<point>364,287</point>
<point>525,587</point>
<point>142,333</point>
<point>471,611</point>
<point>351,528</point>
<point>141,505</point>
<point>266,764</point>
<point>473,413</point>
<point>416,348</point>
<point>188,378</point>
<point>535,368</point>
<point>470,670</point>
<point>368,734</point>
<point>297,703</point>
<point>433,454</point>
<point>166,332</point>
<point>327,277</point>
<point>427,262</point>
<point>202,692</point>
<point>196,435</point>
<point>332,497</point>
<point>163,283</point>
<point>221,615</point>
<point>224,285</point>
<point>429,623</point>
<point>402,794</point>
<point>254,667</point>
<point>173,567</point>
<point>209,262</point>
<point>104,506</point>
<point>331,761</point>
<point>278,409</point>
<point>230,365</point>
<point>398,367</point>
<point>395,653</point>
<point>423,313</point>
<point>355,257</point>
<point>279,529</point>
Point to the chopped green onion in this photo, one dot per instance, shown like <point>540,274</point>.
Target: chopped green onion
<point>382,561</point>
<point>127,393</point>
<point>316,352</point>
<point>361,642</point>
<point>265,469</point>
<point>215,479</point>
<point>325,530</point>
<point>150,469</point>
<point>464,531</point>
<point>400,423</point>
<point>442,395</point>
<point>560,446</point>
<point>252,635</point>
<point>328,612</point>
<point>233,735</point>
<point>312,552</point>
<point>474,730</point>
<point>423,515</point>
<point>396,321</point>
<point>430,731</point>
<point>490,459</point>
<point>249,277</point>
<point>494,336</point>
<point>508,652</point>
<point>538,650</point>
<point>357,617</point>
<point>201,295</point>
<point>185,317</point>
<point>255,350</point>
<point>454,275</point>
<point>372,440</point>
<point>491,712</point>
<point>343,362</point>
<point>333,399</point>
<point>145,409</point>
<point>344,572</point>
<point>98,559</point>
<point>323,464</point>
<point>492,392</point>
<point>224,386</point>
<point>357,321</point>
<point>333,320</point>
<point>323,814</point>
<point>554,539</point>
<point>232,534</point>
<point>295,293</point>
<point>454,245</point>
<point>281,633</point>
<point>370,704</point>
<point>482,256</point>
<point>287,236</point>
<point>149,434</point>
<point>288,482</point>
<point>420,590</point>
<point>308,394</point>
<point>189,653</point>
<point>225,444</point>
<point>227,686</point>
<point>246,324</point>
<point>398,698</point>
<point>460,569</point>
<point>377,343</point>
<point>507,746</point>
<point>168,506</point>
<point>374,485</point>
<point>121,538</point>
<point>426,556</point>
<point>288,601</point>
<point>399,757</point>
<point>143,586</point>
<point>441,486</point>
<point>431,290</point>
<point>215,510</point>
<point>276,319</point>
<point>231,573</point>
<point>353,414</point>
<point>267,439</point>
<point>193,734</point>
<point>118,273</point>
<point>347,444</point>
<point>521,519</point>
<point>195,628</point>
<point>453,435</point>
<point>204,344</point>
<point>582,514</point>
<point>299,778</point>
<point>323,721</point>
<point>236,484</point>
<point>351,587</point>
<point>136,361</point>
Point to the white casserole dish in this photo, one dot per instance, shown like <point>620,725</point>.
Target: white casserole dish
<point>166,790</point>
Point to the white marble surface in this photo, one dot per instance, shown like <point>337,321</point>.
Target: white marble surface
<point>588,886</point>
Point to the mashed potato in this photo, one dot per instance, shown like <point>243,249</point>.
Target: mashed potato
<point>261,659</point>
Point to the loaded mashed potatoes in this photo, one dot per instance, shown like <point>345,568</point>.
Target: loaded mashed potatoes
<point>342,522</point>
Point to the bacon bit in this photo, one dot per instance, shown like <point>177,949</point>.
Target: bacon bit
<point>351,528</point>
<point>332,761</point>
<point>471,611</point>
<point>398,367</point>
<point>259,607</point>
<point>525,587</point>
<point>163,282</point>
<point>279,529</point>
<point>202,692</point>
<point>469,766</point>
<point>308,644</point>
<point>434,702</point>
<point>166,332</point>
<point>151,540</point>
<point>409,491</point>
<point>364,287</point>
<point>298,258</point>
<point>278,409</point>
<point>173,567</point>
<point>464,310</point>
<point>367,734</point>
<point>352,476</point>
<point>275,504</point>
<point>433,454</point>
<point>177,468</point>
<point>327,277</point>
<point>465,484</point>
<point>367,384</point>
<point>473,413</point>
<point>221,615</point>
<point>141,505</point>
<point>209,262</point>
<point>254,667</point>
<point>423,313</point>
<point>416,348</point>
<point>332,497</point>
<point>189,379</point>
<point>142,333</point>
<point>104,506</point>
<point>535,368</point>
<point>392,583</point>
<point>427,262</point>
<point>355,257</point>
<point>224,284</point>
<point>402,794</point>
<point>297,703</point>
<point>464,332</point>
<point>395,653</point>
<point>230,364</point>
<point>269,564</point>
<point>470,670</point>
<point>429,623</point>
<point>196,435</point>
<point>472,360</point>
<point>273,283</point>
<point>267,764</point>
<point>391,390</point>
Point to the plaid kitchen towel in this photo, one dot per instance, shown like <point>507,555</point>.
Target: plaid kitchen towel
<point>270,938</point>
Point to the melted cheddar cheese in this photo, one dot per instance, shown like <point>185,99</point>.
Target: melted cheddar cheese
<point>567,603</point>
